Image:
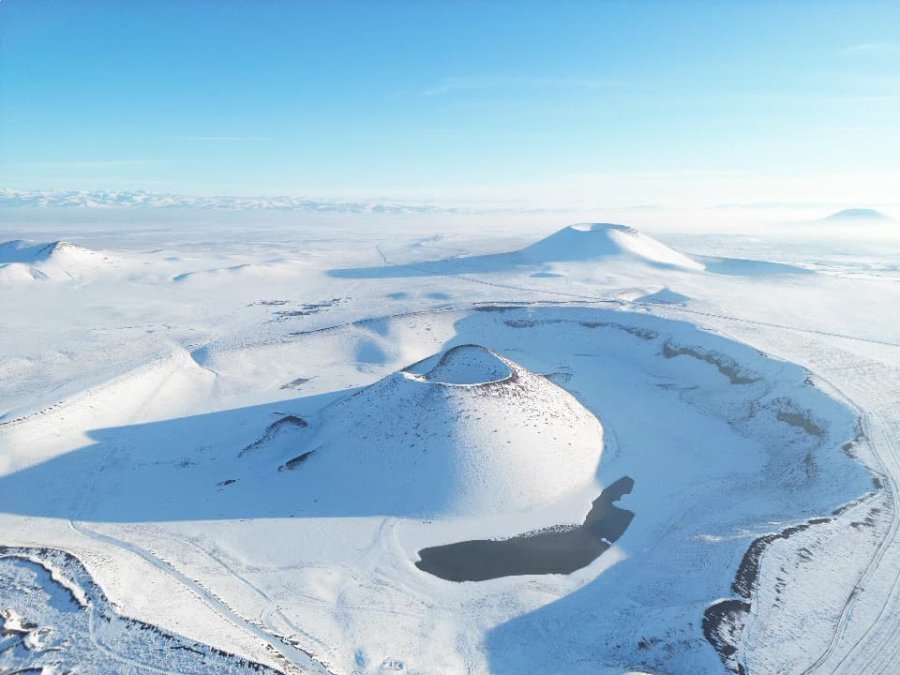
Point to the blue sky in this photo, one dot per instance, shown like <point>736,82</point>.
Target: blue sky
<point>638,102</point>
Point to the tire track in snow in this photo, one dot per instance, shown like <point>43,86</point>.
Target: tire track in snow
<point>92,636</point>
<point>880,655</point>
<point>293,659</point>
<point>273,608</point>
<point>879,430</point>
<point>870,570</point>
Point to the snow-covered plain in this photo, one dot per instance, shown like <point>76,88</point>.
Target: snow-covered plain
<point>245,429</point>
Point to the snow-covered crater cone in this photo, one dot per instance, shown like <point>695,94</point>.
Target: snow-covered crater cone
<point>476,434</point>
<point>591,241</point>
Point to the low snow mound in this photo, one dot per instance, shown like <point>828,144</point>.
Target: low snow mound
<point>664,296</point>
<point>22,260</point>
<point>469,364</point>
<point>267,270</point>
<point>591,241</point>
<point>740,267</point>
<point>477,434</point>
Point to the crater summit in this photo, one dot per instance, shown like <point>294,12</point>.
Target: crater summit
<point>469,365</point>
<point>466,432</point>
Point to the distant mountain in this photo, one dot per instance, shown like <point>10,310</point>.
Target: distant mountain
<point>100,199</point>
<point>857,214</point>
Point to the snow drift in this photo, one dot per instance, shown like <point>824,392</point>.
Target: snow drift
<point>466,433</point>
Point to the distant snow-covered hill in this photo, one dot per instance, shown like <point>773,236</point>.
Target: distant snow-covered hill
<point>24,261</point>
<point>591,241</point>
<point>857,214</point>
<point>576,250</point>
<point>106,199</point>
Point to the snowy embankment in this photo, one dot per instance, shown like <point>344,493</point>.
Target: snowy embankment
<point>57,619</point>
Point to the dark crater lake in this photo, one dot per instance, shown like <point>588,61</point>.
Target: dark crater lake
<point>557,550</point>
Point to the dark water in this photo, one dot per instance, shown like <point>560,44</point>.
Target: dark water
<point>552,551</point>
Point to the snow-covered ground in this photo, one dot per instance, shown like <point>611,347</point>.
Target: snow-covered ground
<point>245,429</point>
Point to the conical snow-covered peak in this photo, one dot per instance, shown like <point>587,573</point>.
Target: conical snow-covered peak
<point>465,432</point>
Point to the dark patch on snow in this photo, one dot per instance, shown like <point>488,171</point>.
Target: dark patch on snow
<point>637,331</point>
<point>294,462</point>
<point>274,429</point>
<point>724,364</point>
<point>559,378</point>
<point>307,309</point>
<point>802,419</point>
<point>295,384</point>
<point>723,623</point>
<point>495,308</point>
